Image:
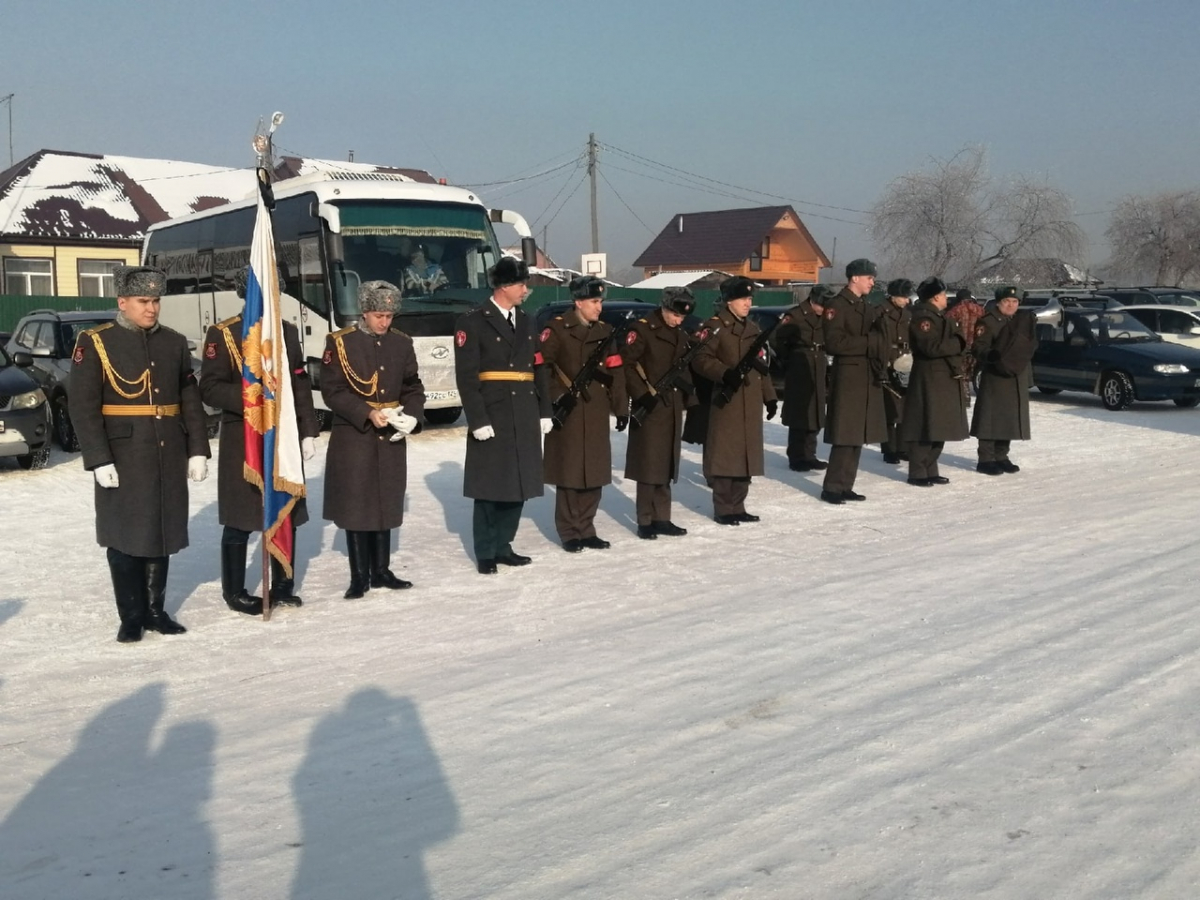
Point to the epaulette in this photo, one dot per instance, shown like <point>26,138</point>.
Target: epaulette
<point>227,322</point>
<point>398,331</point>
<point>345,330</point>
<point>97,329</point>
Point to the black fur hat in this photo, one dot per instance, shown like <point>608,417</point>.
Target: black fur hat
<point>860,267</point>
<point>737,287</point>
<point>1005,292</point>
<point>678,300</point>
<point>930,288</point>
<point>819,294</point>
<point>509,270</point>
<point>586,287</point>
<point>900,287</point>
<point>139,281</point>
<point>963,294</point>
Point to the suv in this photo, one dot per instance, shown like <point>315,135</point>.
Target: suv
<point>1138,296</point>
<point>24,413</point>
<point>48,337</point>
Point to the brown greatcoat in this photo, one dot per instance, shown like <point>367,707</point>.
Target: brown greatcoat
<point>366,473</point>
<point>853,338</point>
<point>733,447</point>
<point>1002,408</point>
<point>507,467</point>
<point>239,503</point>
<point>650,350</point>
<point>934,407</point>
<point>578,455</point>
<point>799,341</point>
<point>894,321</point>
<point>147,515</point>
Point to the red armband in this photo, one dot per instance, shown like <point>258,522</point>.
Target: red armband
<point>613,361</point>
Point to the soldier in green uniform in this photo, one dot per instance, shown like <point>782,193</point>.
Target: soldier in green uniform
<point>733,446</point>
<point>137,410</point>
<point>370,381</point>
<point>799,342</point>
<point>1003,348</point>
<point>506,400</point>
<point>240,503</point>
<point>578,456</point>
<point>895,319</point>
<point>650,350</point>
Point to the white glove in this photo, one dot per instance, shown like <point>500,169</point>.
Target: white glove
<point>197,468</point>
<point>547,426</point>
<point>487,432</point>
<point>106,476</point>
<point>401,421</point>
<point>308,447</point>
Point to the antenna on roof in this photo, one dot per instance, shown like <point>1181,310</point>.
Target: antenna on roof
<point>8,99</point>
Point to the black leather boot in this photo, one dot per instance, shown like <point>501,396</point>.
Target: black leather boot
<point>381,557</point>
<point>282,588</point>
<point>233,581</point>
<point>129,588</point>
<point>156,595</point>
<point>358,548</point>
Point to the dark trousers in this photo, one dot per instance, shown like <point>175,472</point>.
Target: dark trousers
<point>279,576</point>
<point>494,526</point>
<point>575,512</point>
<point>923,458</point>
<point>993,451</point>
<point>893,410</point>
<point>729,494</point>
<point>653,503</point>
<point>843,467</point>
<point>801,445</point>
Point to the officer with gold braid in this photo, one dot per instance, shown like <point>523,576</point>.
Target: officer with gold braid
<point>136,408</point>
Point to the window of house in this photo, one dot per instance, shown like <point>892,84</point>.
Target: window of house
<point>28,277</point>
<point>766,247</point>
<point>756,262</point>
<point>96,277</point>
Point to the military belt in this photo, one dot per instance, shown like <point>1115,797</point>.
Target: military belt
<point>112,409</point>
<point>391,404</point>
<point>505,376</point>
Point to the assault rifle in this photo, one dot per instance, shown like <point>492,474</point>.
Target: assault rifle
<point>722,391</point>
<point>673,377</point>
<point>588,372</point>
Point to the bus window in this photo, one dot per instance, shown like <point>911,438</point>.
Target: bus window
<point>310,283</point>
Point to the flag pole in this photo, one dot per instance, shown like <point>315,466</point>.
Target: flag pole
<point>264,185</point>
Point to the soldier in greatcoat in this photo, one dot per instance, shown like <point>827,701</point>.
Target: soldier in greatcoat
<point>935,408</point>
<point>733,446</point>
<point>506,400</point>
<point>651,349</point>
<point>240,503</point>
<point>578,456</point>
<point>856,341</point>
<point>895,320</point>
<point>1003,349</point>
<point>370,381</point>
<point>799,342</point>
<point>136,407</point>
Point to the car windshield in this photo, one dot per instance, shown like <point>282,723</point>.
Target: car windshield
<point>1112,327</point>
<point>1181,300</point>
<point>71,329</point>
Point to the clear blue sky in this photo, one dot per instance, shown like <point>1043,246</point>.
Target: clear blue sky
<point>818,102</point>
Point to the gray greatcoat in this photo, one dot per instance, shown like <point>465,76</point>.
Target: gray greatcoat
<point>935,409</point>
<point>650,350</point>
<point>507,467</point>
<point>1002,408</point>
<point>579,454</point>
<point>733,446</point>
<point>366,473</point>
<point>147,515</point>
<point>239,503</point>
<point>799,342</point>
<point>855,340</point>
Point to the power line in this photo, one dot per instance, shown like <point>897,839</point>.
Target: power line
<point>566,199</point>
<point>623,203</point>
<point>566,181</point>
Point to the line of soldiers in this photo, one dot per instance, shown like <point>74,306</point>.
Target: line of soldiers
<point>137,406</point>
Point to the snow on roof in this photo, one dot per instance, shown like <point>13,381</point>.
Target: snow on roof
<point>56,195</point>
<point>675,279</point>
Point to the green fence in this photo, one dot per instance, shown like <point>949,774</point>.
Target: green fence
<point>13,307</point>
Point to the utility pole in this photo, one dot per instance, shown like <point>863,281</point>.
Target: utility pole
<point>9,100</point>
<point>591,148</point>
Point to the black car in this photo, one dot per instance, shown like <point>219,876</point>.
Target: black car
<point>48,337</point>
<point>24,413</point>
<point>1138,296</point>
<point>765,317</point>
<point>1112,354</point>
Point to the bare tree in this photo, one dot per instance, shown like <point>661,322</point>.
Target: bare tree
<point>1156,238</point>
<point>954,220</point>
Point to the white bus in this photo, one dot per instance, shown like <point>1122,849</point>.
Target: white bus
<point>333,231</point>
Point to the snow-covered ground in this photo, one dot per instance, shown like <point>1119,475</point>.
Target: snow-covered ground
<point>985,690</point>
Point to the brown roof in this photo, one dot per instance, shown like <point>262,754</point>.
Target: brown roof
<point>719,236</point>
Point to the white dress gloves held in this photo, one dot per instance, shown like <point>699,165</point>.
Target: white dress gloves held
<point>484,433</point>
<point>106,476</point>
<point>308,447</point>
<point>547,426</point>
<point>197,468</point>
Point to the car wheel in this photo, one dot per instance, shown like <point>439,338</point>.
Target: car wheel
<point>1116,391</point>
<point>64,431</point>
<point>447,416</point>
<point>37,459</point>
<point>1187,402</point>
<point>1050,391</point>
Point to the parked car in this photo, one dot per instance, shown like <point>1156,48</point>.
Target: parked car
<point>1176,324</point>
<point>1112,354</point>
<point>48,336</point>
<point>1139,296</point>
<point>765,317</point>
<point>24,413</point>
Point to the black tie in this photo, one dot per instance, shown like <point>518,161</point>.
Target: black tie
<point>512,320</point>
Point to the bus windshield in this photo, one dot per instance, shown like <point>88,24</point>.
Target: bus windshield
<point>438,254</point>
